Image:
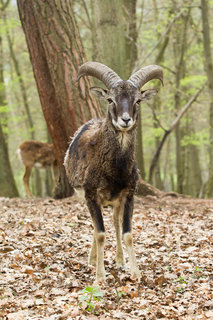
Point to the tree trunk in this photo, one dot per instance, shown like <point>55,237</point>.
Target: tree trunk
<point>56,53</point>
<point>116,24</point>
<point>179,46</point>
<point>193,179</point>
<point>209,73</point>
<point>20,80</point>
<point>131,35</point>
<point>110,28</point>
<point>156,106</point>
<point>139,147</point>
<point>7,182</point>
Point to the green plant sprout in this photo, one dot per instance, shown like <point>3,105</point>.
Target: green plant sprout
<point>90,295</point>
<point>198,273</point>
<point>181,280</point>
<point>119,294</point>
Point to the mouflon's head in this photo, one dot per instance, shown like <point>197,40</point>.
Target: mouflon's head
<point>123,96</point>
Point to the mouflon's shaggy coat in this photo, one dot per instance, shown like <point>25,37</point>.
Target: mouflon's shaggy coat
<point>101,158</point>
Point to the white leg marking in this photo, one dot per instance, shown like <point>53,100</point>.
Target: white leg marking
<point>93,253</point>
<point>135,272</point>
<point>100,271</point>
<point>117,223</point>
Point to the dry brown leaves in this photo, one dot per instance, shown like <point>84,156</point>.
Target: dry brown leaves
<point>44,246</point>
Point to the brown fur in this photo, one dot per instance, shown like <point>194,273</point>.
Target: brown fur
<point>101,160</point>
<point>36,154</point>
<point>107,172</point>
<point>94,163</point>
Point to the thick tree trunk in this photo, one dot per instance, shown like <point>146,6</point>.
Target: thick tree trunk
<point>110,28</point>
<point>209,73</point>
<point>130,21</point>
<point>116,24</point>
<point>131,34</point>
<point>56,52</point>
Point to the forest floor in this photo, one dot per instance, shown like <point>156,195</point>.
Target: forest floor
<point>44,245</point>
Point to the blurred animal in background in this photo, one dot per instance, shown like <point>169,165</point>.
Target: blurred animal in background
<point>39,155</point>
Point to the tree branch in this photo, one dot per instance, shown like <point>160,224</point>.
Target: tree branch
<point>156,118</point>
<point>186,107</point>
<point>172,127</point>
<point>4,4</point>
<point>162,36</point>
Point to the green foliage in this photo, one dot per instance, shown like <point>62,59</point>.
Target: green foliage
<point>198,273</point>
<point>196,138</point>
<point>4,108</point>
<point>181,280</point>
<point>190,84</point>
<point>157,132</point>
<point>90,295</point>
<point>12,23</point>
<point>120,295</point>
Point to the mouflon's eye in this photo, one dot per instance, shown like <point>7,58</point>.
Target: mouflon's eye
<point>138,102</point>
<point>110,101</point>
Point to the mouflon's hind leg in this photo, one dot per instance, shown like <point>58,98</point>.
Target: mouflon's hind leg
<point>127,237</point>
<point>117,216</point>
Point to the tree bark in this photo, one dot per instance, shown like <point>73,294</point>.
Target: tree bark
<point>156,106</point>
<point>131,35</point>
<point>193,179</point>
<point>56,52</point>
<point>179,46</point>
<point>110,28</point>
<point>116,24</point>
<point>7,182</point>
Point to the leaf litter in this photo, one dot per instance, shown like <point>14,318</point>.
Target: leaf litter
<point>44,246</point>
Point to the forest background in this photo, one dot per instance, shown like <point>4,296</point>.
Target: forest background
<point>125,35</point>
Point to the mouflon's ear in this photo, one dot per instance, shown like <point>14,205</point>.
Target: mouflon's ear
<point>148,94</point>
<point>99,92</point>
